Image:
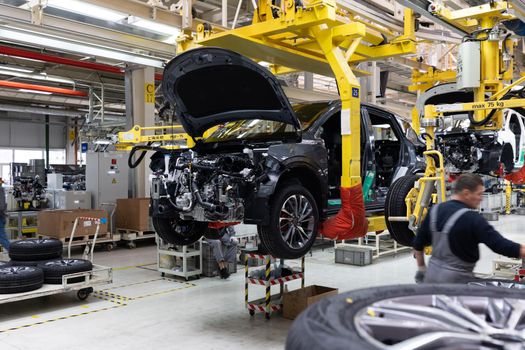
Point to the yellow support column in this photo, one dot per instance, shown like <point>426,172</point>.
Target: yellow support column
<point>350,107</point>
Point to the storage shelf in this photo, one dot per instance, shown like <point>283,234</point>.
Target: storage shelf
<point>275,281</point>
<point>189,253</point>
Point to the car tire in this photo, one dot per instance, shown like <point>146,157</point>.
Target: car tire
<point>33,263</point>
<point>396,206</point>
<point>301,234</point>
<point>54,270</point>
<point>341,322</point>
<point>19,279</point>
<point>179,232</point>
<point>35,249</point>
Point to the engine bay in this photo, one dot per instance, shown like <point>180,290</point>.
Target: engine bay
<point>207,187</point>
<point>468,151</point>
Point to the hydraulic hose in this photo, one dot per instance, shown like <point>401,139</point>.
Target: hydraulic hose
<point>133,164</point>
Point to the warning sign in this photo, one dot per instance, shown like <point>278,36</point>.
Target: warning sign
<point>149,93</point>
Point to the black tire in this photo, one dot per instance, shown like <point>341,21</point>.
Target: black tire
<point>33,263</point>
<point>396,206</point>
<point>331,323</point>
<point>272,236</point>
<point>19,279</point>
<point>35,249</point>
<point>54,270</point>
<point>179,232</point>
<point>84,293</point>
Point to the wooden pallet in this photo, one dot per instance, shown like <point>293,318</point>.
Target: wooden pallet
<point>137,233</point>
<point>132,235</point>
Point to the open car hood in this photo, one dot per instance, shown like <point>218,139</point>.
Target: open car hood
<point>211,86</point>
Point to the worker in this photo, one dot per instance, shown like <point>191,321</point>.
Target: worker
<point>224,249</point>
<point>454,232</point>
<point>3,214</point>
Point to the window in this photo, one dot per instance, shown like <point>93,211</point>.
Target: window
<point>25,155</point>
<point>6,156</point>
<point>57,156</point>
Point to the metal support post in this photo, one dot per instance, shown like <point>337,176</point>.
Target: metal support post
<point>268,295</point>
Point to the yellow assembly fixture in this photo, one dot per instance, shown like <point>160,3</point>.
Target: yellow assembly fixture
<point>485,64</point>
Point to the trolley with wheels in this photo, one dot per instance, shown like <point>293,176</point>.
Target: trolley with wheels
<point>98,275</point>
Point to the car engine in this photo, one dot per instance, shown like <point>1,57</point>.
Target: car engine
<point>466,151</point>
<point>205,188</point>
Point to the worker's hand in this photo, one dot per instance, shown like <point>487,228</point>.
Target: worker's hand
<point>420,274</point>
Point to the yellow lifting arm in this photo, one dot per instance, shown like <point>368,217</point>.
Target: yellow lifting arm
<point>140,135</point>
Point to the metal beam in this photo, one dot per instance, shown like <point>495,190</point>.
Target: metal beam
<point>85,33</point>
<point>43,88</point>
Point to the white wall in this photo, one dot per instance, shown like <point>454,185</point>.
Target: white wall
<point>23,131</point>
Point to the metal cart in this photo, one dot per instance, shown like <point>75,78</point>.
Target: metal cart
<point>99,275</point>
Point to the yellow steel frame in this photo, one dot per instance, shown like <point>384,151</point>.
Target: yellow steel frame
<point>315,38</point>
<point>318,37</point>
<point>493,75</point>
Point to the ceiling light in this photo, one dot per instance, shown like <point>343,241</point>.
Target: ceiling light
<point>153,26</point>
<point>35,91</point>
<point>41,76</point>
<point>15,69</point>
<point>78,47</point>
<point>86,9</point>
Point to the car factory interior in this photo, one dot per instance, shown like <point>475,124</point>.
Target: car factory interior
<point>264,174</point>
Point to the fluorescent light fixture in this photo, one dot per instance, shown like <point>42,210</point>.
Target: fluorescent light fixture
<point>35,91</point>
<point>15,69</point>
<point>87,9</point>
<point>78,47</point>
<point>41,76</point>
<point>153,26</point>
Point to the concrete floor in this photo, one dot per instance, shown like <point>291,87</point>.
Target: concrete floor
<point>156,313</point>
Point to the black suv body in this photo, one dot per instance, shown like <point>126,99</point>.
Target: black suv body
<point>267,163</point>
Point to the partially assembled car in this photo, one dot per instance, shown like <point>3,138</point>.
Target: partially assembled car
<point>264,161</point>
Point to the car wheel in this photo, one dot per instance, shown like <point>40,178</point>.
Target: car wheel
<point>54,270</point>
<point>179,232</point>
<point>396,206</point>
<point>413,317</point>
<point>18,279</point>
<point>293,223</point>
<point>35,249</point>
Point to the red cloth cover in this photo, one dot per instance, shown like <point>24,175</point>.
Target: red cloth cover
<point>219,224</point>
<point>517,178</point>
<point>350,222</point>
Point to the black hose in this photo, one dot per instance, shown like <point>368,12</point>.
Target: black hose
<point>480,122</point>
<point>195,191</point>
<point>426,135</point>
<point>144,149</point>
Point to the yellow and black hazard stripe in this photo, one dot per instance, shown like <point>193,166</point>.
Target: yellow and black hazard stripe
<point>268,284</point>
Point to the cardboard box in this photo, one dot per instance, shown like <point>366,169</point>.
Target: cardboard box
<point>59,223</point>
<point>296,301</point>
<point>133,214</point>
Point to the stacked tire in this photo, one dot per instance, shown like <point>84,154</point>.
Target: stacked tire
<point>37,261</point>
<point>31,252</point>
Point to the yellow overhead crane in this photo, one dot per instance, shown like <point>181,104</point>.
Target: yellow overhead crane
<point>482,25</point>
<point>319,36</point>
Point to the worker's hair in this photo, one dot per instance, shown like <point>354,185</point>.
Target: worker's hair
<point>469,182</point>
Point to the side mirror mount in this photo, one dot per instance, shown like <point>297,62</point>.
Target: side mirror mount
<point>412,136</point>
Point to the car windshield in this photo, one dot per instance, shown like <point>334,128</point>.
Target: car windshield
<point>254,129</point>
